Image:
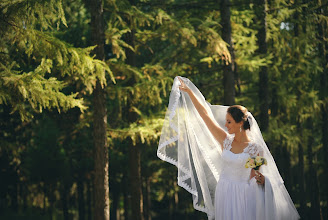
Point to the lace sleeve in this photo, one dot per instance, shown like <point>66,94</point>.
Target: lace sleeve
<point>227,142</point>
<point>254,150</point>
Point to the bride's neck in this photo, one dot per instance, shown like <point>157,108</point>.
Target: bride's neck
<point>241,137</point>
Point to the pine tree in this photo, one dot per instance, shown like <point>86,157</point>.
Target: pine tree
<point>38,69</point>
<point>229,67</point>
<point>263,91</point>
<point>101,184</point>
<point>35,65</point>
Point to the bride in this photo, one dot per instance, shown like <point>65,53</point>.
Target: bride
<point>210,145</point>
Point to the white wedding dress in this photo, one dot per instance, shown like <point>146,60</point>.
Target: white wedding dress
<point>216,178</point>
<point>233,195</point>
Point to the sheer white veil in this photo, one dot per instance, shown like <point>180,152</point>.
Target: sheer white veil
<point>187,143</point>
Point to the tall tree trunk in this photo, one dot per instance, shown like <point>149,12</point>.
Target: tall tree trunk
<point>313,185</point>
<point>228,69</point>
<point>176,196</point>
<point>263,79</point>
<point>64,194</point>
<point>24,195</point>
<point>114,211</point>
<point>135,182</point>
<point>126,199</point>
<point>147,199</point>
<point>101,188</point>
<point>302,194</point>
<point>89,199</point>
<point>286,165</point>
<point>44,211</point>
<point>14,194</point>
<point>323,53</point>
<point>114,191</point>
<point>171,202</point>
<point>51,201</point>
<point>134,151</point>
<point>80,195</point>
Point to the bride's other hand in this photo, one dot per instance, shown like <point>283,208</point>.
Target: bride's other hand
<point>183,86</point>
<point>260,179</point>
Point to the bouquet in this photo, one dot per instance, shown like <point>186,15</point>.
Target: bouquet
<point>255,162</point>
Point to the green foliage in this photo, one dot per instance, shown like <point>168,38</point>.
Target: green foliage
<point>36,66</point>
<point>45,64</point>
<point>40,93</point>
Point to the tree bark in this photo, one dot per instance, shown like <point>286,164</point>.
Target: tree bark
<point>135,183</point>
<point>286,165</point>
<point>14,194</point>
<point>80,195</point>
<point>89,199</point>
<point>126,200</point>
<point>147,199</point>
<point>263,76</point>
<point>302,194</point>
<point>51,201</point>
<point>101,190</point>
<point>134,151</point>
<point>44,210</point>
<point>228,69</point>
<point>24,195</point>
<point>115,190</point>
<point>65,192</point>
<point>176,197</point>
<point>313,185</point>
<point>323,48</point>
<point>101,187</point>
<point>114,207</point>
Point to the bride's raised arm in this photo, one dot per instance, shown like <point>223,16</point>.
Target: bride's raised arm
<point>218,133</point>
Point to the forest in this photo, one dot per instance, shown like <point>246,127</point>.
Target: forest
<point>85,85</point>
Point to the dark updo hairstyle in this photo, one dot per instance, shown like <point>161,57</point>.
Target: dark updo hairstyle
<point>239,113</point>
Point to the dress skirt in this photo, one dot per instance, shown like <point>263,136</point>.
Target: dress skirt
<point>234,200</point>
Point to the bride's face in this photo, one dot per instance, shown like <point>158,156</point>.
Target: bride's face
<point>232,125</point>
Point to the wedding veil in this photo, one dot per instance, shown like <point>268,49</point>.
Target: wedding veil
<point>187,143</point>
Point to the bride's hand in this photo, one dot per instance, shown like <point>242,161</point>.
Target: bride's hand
<point>183,86</point>
<point>260,179</point>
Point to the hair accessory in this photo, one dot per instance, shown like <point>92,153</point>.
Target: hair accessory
<point>249,118</point>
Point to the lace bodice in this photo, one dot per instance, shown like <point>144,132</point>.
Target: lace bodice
<point>234,164</point>
<point>252,148</point>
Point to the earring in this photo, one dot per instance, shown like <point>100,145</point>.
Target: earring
<point>239,129</point>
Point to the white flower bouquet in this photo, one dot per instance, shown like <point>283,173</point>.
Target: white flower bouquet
<point>255,162</point>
